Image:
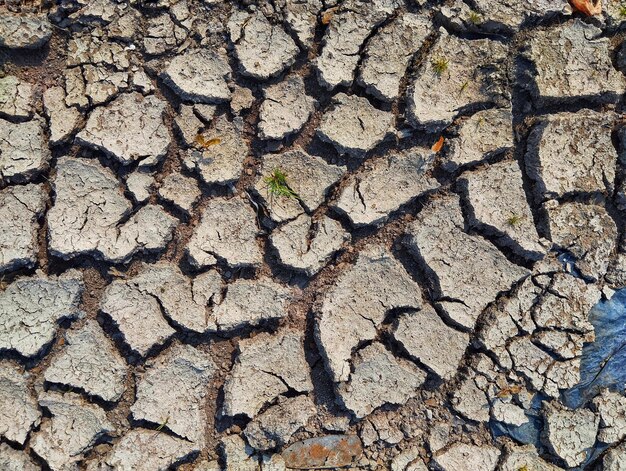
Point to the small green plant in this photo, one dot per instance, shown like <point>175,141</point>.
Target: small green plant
<point>474,17</point>
<point>440,65</point>
<point>622,11</point>
<point>277,185</point>
<point>514,220</point>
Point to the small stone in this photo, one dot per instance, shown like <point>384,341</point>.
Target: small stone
<point>437,239</point>
<point>308,176</point>
<point>462,457</point>
<point>262,48</point>
<point>561,57</point>
<point>458,74</point>
<point>482,135</point>
<point>429,340</point>
<point>19,412</point>
<point>74,428</point>
<point>63,119</point>
<point>238,456</point>
<point>147,450</point>
<point>16,460</point>
<point>611,407</point>
<point>228,230</point>
<point>89,361</point>
<point>385,184</point>
<point>266,367</point>
<point>21,206</point>
<point>572,153</point>
<point>242,99</point>
<point>396,381</point>
<point>307,245</point>
<point>274,427</point>
<point>569,433</point>
<point>388,53</point>
<point>24,150</point>
<point>16,98</point>
<point>199,76</point>
<point>139,184</point>
<point>498,206</point>
<point>31,307</point>
<point>181,191</point>
<point>221,159</point>
<point>173,390</point>
<point>328,452</point>
<point>285,109</point>
<point>24,31</point>
<point>353,126</point>
<point>129,129</point>
<point>358,303</point>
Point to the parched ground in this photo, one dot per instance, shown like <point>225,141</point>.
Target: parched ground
<point>298,234</point>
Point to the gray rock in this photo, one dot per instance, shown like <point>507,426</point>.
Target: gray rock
<point>174,389</point>
<point>457,75</point>
<point>147,450</point>
<point>221,159</point>
<point>16,98</point>
<point>63,120</point>
<point>498,206</point>
<point>266,367</point>
<point>129,129</point>
<point>228,230</point>
<point>572,153</point>
<point>569,433</point>
<point>180,190</point>
<point>274,427</point>
<point>139,185</point>
<point>19,412</point>
<point>251,302</point>
<point>615,459</point>
<point>24,31</point>
<point>428,339</point>
<point>285,109</point>
<point>89,361</point>
<point>31,307</point>
<point>16,460</point>
<point>310,177</point>
<point>199,75</point>
<point>307,245</point>
<point>437,239</point>
<point>74,428</point>
<point>357,304</point>
<point>378,378</point>
<point>611,407</point>
<point>21,206</point>
<point>569,59</point>
<point>347,31</point>
<point>388,53</point>
<point>383,185</point>
<point>24,150</point>
<point>483,134</point>
<point>462,457</point>
<point>263,49</point>
<point>353,126</point>
<point>237,455</point>
<point>585,231</point>
<point>88,211</point>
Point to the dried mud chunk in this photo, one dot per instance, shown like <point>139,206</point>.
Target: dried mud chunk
<point>238,455</point>
<point>471,401</point>
<point>90,49</point>
<point>615,459</point>
<point>16,460</point>
<point>24,150</point>
<point>16,98</point>
<point>378,378</point>
<point>611,407</point>
<point>63,119</point>
<point>302,18</point>
<point>20,208</point>
<point>24,31</point>
<point>572,153</point>
<point>516,457</point>
<point>457,75</point>
<point>173,389</point>
<point>129,129</point>
<point>437,239</point>
<point>162,34</point>
<point>19,412</point>
<point>180,190</point>
<point>353,126</point>
<point>462,457</point>
<point>573,61</point>
<point>267,366</point>
<point>358,303</point>
<point>31,307</point>
<point>199,76</point>
<point>228,230</point>
<point>89,361</point>
<point>385,184</point>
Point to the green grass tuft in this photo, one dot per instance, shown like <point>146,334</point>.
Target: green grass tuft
<point>440,65</point>
<point>514,220</point>
<point>474,18</point>
<point>277,185</point>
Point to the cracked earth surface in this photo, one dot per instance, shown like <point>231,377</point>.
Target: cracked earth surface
<point>403,305</point>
